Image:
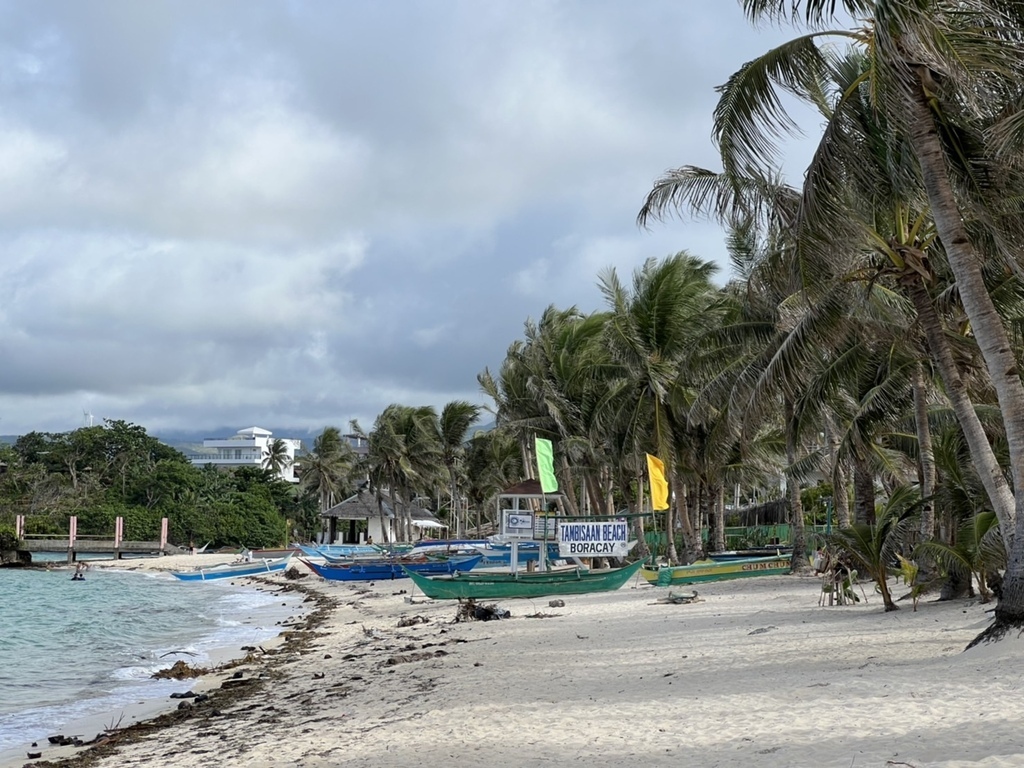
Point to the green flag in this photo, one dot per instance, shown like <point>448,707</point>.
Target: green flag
<point>546,465</point>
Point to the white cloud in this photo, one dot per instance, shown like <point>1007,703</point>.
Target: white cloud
<point>296,213</point>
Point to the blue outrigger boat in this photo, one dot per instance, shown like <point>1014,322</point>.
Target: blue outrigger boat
<point>231,570</point>
<point>340,550</point>
<point>384,570</point>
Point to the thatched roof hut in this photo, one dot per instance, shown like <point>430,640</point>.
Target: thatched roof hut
<point>363,506</point>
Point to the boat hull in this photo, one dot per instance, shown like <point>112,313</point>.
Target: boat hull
<point>385,570</point>
<point>340,550</point>
<point>500,555</point>
<point>749,554</point>
<point>255,568</point>
<point>716,571</point>
<point>497,586</point>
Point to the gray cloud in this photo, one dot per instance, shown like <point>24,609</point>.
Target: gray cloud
<point>296,213</point>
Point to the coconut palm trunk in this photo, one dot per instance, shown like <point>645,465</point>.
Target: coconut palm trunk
<point>840,496</point>
<point>797,529</point>
<point>985,463</point>
<point>925,459</point>
<point>993,341</point>
<point>863,491</point>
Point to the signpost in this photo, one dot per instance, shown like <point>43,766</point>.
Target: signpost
<point>593,539</point>
<point>516,525</point>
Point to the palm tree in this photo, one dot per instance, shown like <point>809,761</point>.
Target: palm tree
<point>947,78</point>
<point>404,459</point>
<point>856,193</point>
<point>651,329</point>
<point>276,459</point>
<point>555,384</point>
<point>326,468</point>
<point>493,463</point>
<point>873,547</point>
<point>976,552</point>
<point>453,427</point>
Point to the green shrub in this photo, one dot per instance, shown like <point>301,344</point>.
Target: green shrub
<point>8,540</point>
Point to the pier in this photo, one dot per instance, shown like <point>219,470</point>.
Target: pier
<point>75,544</point>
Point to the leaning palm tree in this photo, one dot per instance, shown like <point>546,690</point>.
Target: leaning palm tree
<point>493,463</point>
<point>453,427</point>
<point>325,469</point>
<point>946,75</point>
<point>404,459</point>
<point>651,328</point>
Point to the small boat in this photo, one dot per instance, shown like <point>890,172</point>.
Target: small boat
<point>747,554</point>
<point>498,554</point>
<point>710,570</point>
<point>500,586</point>
<point>383,570</point>
<point>340,550</point>
<point>229,570</point>
<point>446,547</point>
<point>272,554</point>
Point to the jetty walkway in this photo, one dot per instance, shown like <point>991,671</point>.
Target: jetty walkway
<point>75,544</point>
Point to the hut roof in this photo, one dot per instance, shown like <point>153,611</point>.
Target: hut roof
<point>363,506</point>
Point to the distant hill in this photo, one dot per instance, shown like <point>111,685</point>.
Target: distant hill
<point>190,441</point>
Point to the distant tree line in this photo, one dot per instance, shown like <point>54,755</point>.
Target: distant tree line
<point>116,469</point>
<point>99,473</point>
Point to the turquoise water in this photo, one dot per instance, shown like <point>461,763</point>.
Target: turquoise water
<point>75,649</point>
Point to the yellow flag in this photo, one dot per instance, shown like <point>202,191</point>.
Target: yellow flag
<point>659,486</point>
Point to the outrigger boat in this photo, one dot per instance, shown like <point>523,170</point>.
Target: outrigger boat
<point>340,550</point>
<point>671,575</point>
<point>382,570</point>
<point>500,586</point>
<point>230,570</point>
<point>747,554</point>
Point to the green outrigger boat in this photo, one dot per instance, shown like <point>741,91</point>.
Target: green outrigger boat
<point>718,570</point>
<point>503,586</point>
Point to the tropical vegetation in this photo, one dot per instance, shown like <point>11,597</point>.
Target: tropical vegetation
<point>866,348</point>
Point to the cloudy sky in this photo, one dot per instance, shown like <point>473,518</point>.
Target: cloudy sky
<point>290,213</point>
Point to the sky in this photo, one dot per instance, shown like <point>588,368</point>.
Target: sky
<point>291,214</point>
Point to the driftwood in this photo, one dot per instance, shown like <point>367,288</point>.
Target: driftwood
<point>678,599</point>
<point>472,611</point>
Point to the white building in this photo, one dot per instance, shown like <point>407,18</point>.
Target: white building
<point>248,448</point>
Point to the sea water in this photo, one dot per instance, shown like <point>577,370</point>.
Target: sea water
<point>71,650</point>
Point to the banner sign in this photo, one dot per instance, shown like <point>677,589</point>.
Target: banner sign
<point>610,539</point>
<point>517,524</point>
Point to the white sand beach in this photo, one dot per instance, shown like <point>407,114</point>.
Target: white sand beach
<point>755,674</point>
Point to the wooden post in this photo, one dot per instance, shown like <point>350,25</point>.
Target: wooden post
<point>72,534</point>
<point>163,535</point>
<point>19,527</point>
<point>118,537</point>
